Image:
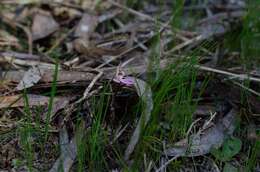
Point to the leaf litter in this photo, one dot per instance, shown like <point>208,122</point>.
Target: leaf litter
<point>111,45</point>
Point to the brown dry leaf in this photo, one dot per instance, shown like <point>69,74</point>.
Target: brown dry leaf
<point>84,45</point>
<point>59,103</point>
<point>86,26</point>
<point>84,29</point>
<point>34,100</point>
<point>30,78</point>
<point>43,25</point>
<point>18,100</point>
<point>203,142</point>
<point>93,51</point>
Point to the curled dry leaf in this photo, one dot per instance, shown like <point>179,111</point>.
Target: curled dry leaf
<point>30,78</point>
<point>203,142</point>
<point>43,25</point>
<point>145,92</point>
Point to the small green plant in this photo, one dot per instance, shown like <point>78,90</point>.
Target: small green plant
<point>81,142</point>
<point>230,148</point>
<point>177,12</point>
<point>50,105</point>
<point>229,168</point>
<point>96,137</point>
<point>26,133</point>
<point>252,160</point>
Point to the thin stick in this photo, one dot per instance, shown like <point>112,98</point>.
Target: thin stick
<point>166,164</point>
<point>134,47</point>
<point>233,75</point>
<point>246,88</point>
<point>29,37</point>
<point>134,12</point>
<point>86,92</point>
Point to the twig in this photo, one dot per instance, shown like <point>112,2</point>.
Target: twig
<point>196,39</point>
<point>29,36</point>
<point>119,133</point>
<point>12,60</point>
<point>166,164</point>
<point>191,126</point>
<point>109,15</point>
<point>239,76</point>
<point>86,92</point>
<point>121,25</point>
<point>246,88</point>
<point>134,12</point>
<point>120,55</point>
<point>22,56</point>
<point>221,16</point>
<point>134,47</point>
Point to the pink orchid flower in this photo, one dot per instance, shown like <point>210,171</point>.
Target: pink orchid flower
<point>124,80</point>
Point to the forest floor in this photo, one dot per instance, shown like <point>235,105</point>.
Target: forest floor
<point>127,85</point>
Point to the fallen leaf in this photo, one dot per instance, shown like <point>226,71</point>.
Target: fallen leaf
<point>43,25</point>
<point>59,103</point>
<point>68,153</point>
<point>84,29</point>
<point>86,26</point>
<point>68,150</point>
<point>30,78</point>
<point>202,143</point>
<point>34,100</point>
<point>144,91</point>
<point>18,100</point>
